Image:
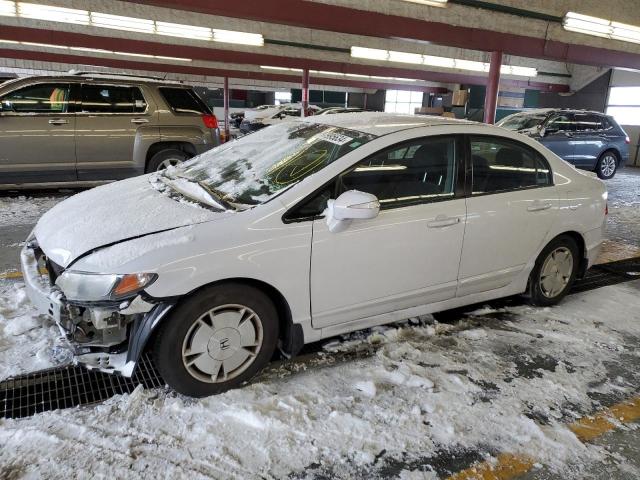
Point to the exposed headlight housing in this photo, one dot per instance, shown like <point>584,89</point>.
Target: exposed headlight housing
<point>96,287</point>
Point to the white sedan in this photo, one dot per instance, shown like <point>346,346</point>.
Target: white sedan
<point>303,231</point>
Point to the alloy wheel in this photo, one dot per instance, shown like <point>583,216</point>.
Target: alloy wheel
<point>222,343</point>
<point>556,272</point>
<point>608,165</point>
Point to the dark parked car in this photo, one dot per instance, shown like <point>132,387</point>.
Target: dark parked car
<point>588,140</point>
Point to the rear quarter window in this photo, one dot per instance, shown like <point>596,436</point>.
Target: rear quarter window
<point>184,100</point>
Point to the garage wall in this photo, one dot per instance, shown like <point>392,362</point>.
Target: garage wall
<point>591,97</point>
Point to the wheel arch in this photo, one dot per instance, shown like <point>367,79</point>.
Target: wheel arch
<point>186,147</point>
<point>291,335</point>
<point>613,149</point>
<point>582,247</point>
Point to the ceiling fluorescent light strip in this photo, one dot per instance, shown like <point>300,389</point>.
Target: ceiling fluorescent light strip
<point>10,8</point>
<point>434,61</point>
<point>98,50</point>
<point>184,31</point>
<point>430,3</point>
<point>53,14</point>
<point>601,27</point>
<point>118,22</point>
<point>338,74</point>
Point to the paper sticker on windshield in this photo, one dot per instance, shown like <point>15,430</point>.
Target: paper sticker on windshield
<point>334,137</point>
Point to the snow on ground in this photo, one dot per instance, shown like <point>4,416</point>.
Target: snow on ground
<point>387,401</point>
<point>27,340</point>
<point>24,210</point>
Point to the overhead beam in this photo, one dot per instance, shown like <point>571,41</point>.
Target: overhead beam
<point>205,71</point>
<point>321,16</point>
<point>56,37</point>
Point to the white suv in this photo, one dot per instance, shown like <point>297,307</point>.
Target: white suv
<point>306,230</point>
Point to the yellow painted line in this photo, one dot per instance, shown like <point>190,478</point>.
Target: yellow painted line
<point>591,427</point>
<point>505,467</point>
<point>11,275</point>
<point>587,429</point>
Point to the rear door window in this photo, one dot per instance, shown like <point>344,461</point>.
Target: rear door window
<point>184,100</point>
<point>41,98</point>
<point>501,165</point>
<point>112,99</point>
<point>561,123</point>
<point>586,122</point>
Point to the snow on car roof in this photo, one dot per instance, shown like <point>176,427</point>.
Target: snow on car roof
<point>378,123</point>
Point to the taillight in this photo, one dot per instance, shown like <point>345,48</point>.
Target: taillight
<point>210,121</point>
<point>626,140</point>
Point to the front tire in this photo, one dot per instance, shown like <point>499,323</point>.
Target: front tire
<point>217,340</point>
<point>607,165</point>
<point>554,272</point>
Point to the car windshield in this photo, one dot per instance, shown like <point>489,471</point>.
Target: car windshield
<point>522,122</point>
<point>252,169</point>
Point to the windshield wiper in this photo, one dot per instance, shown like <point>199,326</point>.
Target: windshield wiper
<point>218,196</point>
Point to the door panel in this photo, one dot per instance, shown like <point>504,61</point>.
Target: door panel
<point>559,137</point>
<point>510,212</point>
<point>37,141</point>
<point>589,139</point>
<point>407,256</point>
<point>502,233</point>
<point>389,263</point>
<point>107,123</point>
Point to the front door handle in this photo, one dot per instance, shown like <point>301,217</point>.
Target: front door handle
<point>443,221</point>
<point>538,206</point>
<point>58,121</point>
<point>139,120</point>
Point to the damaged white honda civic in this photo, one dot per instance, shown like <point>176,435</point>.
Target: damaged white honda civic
<point>303,231</point>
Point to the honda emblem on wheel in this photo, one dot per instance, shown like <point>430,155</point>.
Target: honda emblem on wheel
<point>224,344</point>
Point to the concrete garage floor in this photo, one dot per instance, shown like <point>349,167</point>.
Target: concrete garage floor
<point>413,400</point>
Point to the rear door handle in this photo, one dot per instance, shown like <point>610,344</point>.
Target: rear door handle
<point>443,221</point>
<point>139,120</point>
<point>58,121</point>
<point>538,206</point>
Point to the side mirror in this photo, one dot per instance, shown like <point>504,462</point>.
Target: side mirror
<point>548,130</point>
<point>351,205</point>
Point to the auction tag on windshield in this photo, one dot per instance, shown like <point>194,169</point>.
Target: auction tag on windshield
<point>334,137</point>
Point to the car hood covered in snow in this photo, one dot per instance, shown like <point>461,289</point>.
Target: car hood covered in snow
<point>110,214</point>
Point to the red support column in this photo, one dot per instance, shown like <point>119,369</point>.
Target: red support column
<point>305,92</point>
<point>493,83</point>
<point>225,96</point>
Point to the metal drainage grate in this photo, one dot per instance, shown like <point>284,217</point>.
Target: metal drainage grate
<point>68,387</point>
<point>609,274</point>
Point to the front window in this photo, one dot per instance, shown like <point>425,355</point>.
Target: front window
<point>522,122</point>
<point>42,98</point>
<point>251,170</point>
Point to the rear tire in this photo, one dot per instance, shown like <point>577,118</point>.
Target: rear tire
<point>554,272</point>
<point>216,340</point>
<point>166,158</point>
<point>607,165</point>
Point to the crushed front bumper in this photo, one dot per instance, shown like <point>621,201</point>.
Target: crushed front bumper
<point>105,337</point>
